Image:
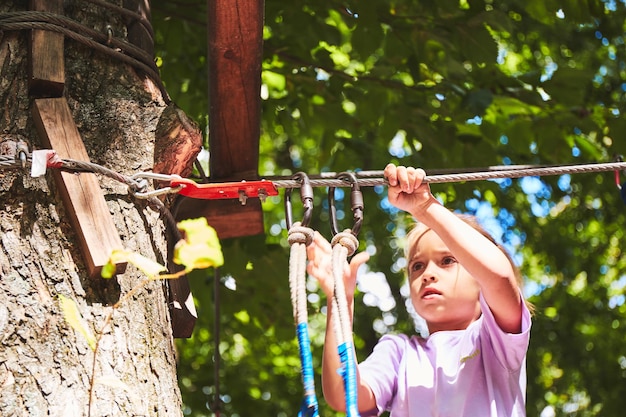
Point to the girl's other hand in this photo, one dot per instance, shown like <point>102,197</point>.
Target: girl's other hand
<point>320,266</point>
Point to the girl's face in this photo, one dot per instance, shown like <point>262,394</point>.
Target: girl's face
<point>442,291</point>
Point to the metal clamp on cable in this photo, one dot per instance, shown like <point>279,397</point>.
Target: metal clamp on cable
<point>22,153</point>
<point>306,196</point>
<point>356,203</point>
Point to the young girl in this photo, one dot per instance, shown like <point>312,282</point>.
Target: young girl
<point>466,288</point>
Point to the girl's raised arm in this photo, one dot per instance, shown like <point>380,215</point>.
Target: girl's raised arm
<point>479,256</point>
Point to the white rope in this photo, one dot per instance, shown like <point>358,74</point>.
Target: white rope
<point>299,238</point>
<point>344,244</point>
<point>342,315</point>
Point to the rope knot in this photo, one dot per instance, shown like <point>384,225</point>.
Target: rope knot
<point>300,234</point>
<point>347,240</point>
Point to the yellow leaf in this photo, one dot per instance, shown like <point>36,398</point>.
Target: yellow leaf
<point>74,319</point>
<point>147,266</point>
<point>200,248</point>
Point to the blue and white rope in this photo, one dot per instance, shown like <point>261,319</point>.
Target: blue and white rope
<point>344,244</point>
<point>299,238</point>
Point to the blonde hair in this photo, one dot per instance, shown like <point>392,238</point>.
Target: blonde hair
<point>414,235</point>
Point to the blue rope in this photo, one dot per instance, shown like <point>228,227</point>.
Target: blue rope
<point>348,372</point>
<point>309,403</point>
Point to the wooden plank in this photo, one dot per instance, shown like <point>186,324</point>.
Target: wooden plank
<point>82,196</point>
<point>181,304</point>
<point>46,68</point>
<point>229,218</point>
<point>235,43</point>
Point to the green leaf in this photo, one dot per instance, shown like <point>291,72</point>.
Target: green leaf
<point>476,42</point>
<point>74,319</point>
<point>565,85</point>
<point>108,270</point>
<point>478,101</point>
<point>200,247</point>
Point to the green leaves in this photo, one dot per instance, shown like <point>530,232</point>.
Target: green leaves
<point>199,249</point>
<point>544,77</point>
<point>565,86</point>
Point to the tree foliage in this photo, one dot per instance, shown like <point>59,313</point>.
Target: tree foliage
<point>446,84</point>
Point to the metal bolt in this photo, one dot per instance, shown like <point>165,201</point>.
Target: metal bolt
<point>243,198</point>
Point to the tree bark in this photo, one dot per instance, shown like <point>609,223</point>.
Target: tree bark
<point>45,365</point>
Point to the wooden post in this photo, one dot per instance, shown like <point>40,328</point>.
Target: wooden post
<point>235,31</point>
<point>235,41</point>
<point>47,66</point>
<point>81,193</point>
<point>180,301</point>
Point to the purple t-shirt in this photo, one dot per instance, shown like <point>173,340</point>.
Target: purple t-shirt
<point>479,371</point>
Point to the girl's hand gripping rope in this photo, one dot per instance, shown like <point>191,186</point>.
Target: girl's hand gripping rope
<point>319,254</point>
<point>407,191</point>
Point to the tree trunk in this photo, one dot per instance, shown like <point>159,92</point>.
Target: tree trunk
<point>45,365</point>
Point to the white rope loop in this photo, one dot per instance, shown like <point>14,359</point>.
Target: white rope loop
<point>347,240</point>
<point>299,238</point>
<point>300,234</point>
<point>344,244</point>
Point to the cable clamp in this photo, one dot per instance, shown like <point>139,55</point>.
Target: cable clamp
<point>211,191</point>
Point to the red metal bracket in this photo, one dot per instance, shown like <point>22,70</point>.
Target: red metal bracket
<point>224,190</point>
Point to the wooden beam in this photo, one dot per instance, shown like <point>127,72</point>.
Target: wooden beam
<point>235,42</point>
<point>82,197</point>
<point>46,70</point>
<point>229,218</point>
<point>180,301</point>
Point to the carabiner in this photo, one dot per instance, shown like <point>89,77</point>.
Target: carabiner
<point>356,202</point>
<point>306,197</point>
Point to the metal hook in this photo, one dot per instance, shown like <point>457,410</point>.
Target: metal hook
<point>356,202</point>
<point>306,197</point>
<point>109,30</point>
